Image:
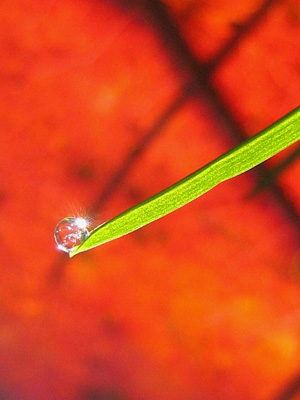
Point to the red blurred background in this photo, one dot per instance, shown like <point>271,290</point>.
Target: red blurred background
<point>102,104</point>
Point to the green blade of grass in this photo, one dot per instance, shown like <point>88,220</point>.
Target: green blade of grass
<point>245,156</point>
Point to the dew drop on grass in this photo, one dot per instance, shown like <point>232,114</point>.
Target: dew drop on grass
<point>70,232</point>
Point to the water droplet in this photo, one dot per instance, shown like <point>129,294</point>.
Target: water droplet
<point>70,232</point>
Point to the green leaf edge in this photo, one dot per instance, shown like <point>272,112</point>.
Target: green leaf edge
<point>242,158</point>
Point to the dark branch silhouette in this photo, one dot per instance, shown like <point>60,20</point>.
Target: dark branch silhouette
<point>242,31</point>
<point>275,172</point>
<point>199,84</point>
<point>200,74</point>
<point>289,390</point>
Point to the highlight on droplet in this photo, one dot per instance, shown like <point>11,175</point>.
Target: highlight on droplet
<point>70,232</point>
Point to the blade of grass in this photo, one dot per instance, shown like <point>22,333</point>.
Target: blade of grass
<point>243,157</point>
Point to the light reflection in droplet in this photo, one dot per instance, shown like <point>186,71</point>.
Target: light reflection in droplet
<point>71,232</point>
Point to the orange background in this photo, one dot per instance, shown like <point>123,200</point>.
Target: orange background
<point>102,104</point>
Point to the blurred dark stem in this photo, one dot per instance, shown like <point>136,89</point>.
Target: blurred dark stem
<point>199,85</point>
<point>274,173</point>
<point>241,31</point>
<point>290,389</point>
<point>139,148</point>
<point>201,73</point>
<point>174,42</point>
